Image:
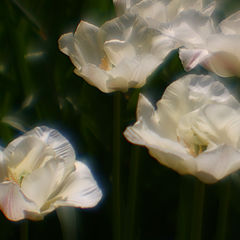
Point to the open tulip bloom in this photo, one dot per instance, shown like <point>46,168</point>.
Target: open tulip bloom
<point>195,128</point>
<point>39,172</point>
<point>119,55</point>
<point>219,53</point>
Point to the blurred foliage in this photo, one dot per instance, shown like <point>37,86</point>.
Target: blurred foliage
<point>38,87</point>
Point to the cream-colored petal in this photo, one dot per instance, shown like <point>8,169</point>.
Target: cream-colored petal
<point>43,182</point>
<point>86,41</point>
<point>209,9</point>
<point>25,154</point>
<point>79,189</point>
<point>167,152</point>
<point>149,119</point>
<point>95,76</point>
<point>66,44</point>
<point>225,121</point>
<point>217,164</point>
<point>3,166</point>
<point>82,46</point>
<point>231,24</point>
<point>122,6</point>
<point>223,64</point>
<point>151,11</point>
<point>190,28</point>
<point>55,140</point>
<point>135,71</point>
<point>14,203</point>
<point>189,93</point>
<point>148,132</point>
<point>225,55</point>
<point>117,29</point>
<point>190,58</point>
<point>117,50</point>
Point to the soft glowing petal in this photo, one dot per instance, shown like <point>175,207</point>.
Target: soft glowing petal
<point>40,184</point>
<point>192,57</point>
<point>14,203</point>
<point>56,141</point>
<point>95,76</point>
<point>123,5</point>
<point>217,164</point>
<point>225,55</point>
<point>82,46</point>
<point>79,189</point>
<point>231,25</point>
<point>26,153</point>
<point>135,71</point>
<point>118,50</point>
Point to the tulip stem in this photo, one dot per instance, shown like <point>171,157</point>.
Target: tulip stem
<point>132,193</point>
<point>116,166</point>
<point>223,211</point>
<point>184,214</point>
<point>24,230</point>
<point>197,210</point>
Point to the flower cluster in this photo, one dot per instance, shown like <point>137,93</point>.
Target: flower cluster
<point>194,129</point>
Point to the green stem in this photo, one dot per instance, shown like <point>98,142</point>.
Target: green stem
<point>132,193</point>
<point>197,211</point>
<point>24,230</point>
<point>116,167</point>
<point>223,210</point>
<point>183,221</point>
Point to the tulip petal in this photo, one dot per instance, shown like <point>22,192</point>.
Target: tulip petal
<point>149,133</point>
<point>26,153</point>
<point>82,47</point>
<point>66,44</point>
<point>217,164</point>
<point>95,76</point>
<point>60,145</point>
<point>118,28</point>
<point>40,184</point>
<point>190,58</point>
<point>79,189</point>
<point>118,50</point>
<point>135,71</point>
<point>3,166</point>
<point>231,24</point>
<point>14,203</point>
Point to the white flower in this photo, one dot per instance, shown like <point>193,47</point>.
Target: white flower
<point>156,12</point>
<point>39,172</point>
<point>122,6</point>
<point>194,130</point>
<point>219,53</point>
<point>119,55</point>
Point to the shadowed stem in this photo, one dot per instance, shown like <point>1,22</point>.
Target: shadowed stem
<point>197,210</point>
<point>223,210</point>
<point>116,166</point>
<point>132,194</point>
<point>24,230</point>
<point>184,214</point>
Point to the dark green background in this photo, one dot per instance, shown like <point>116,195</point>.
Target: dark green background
<point>84,115</point>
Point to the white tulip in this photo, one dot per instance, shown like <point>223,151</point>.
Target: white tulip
<point>195,128</point>
<point>39,173</point>
<point>219,52</point>
<point>119,55</point>
<point>122,6</point>
<point>156,12</point>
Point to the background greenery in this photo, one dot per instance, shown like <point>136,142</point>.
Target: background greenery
<point>38,87</point>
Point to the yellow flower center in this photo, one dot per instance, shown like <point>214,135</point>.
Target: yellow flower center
<point>105,64</point>
<point>14,177</point>
<point>194,143</point>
